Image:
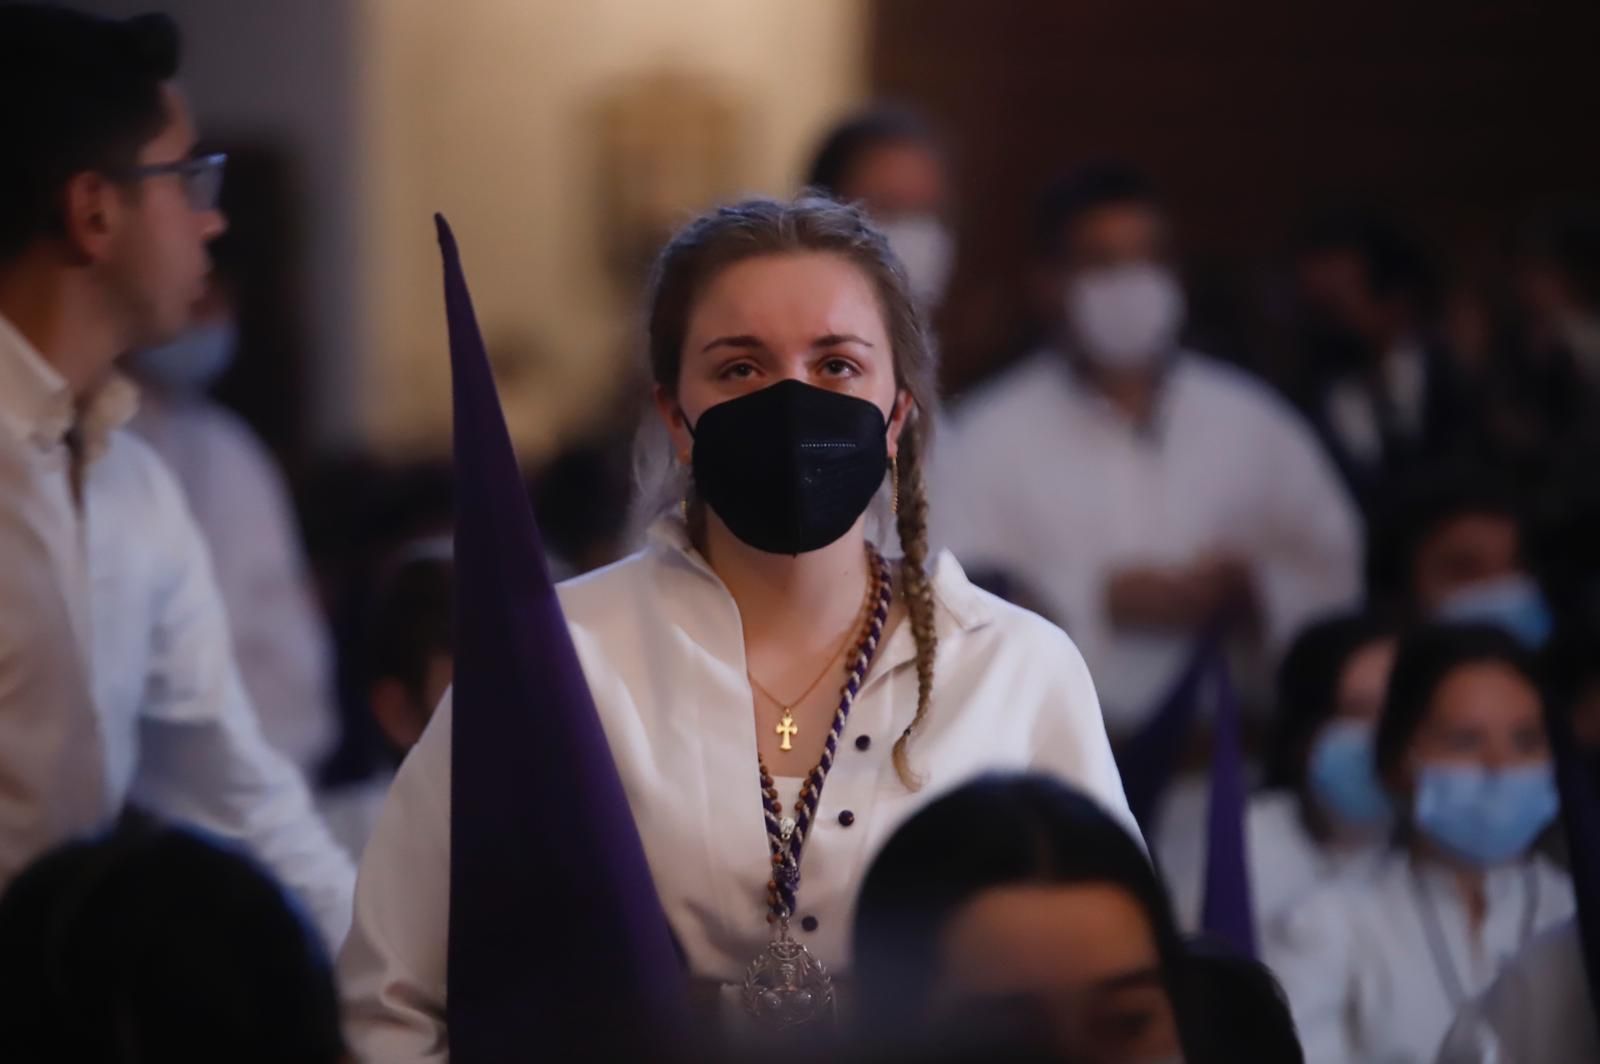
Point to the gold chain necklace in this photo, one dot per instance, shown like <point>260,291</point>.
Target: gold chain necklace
<point>787,729</point>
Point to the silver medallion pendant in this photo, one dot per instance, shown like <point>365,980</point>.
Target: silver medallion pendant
<point>786,986</point>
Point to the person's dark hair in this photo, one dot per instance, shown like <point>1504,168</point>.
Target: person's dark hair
<point>761,227</point>
<point>1417,506</point>
<point>581,500</point>
<point>154,944</point>
<point>1088,188</point>
<point>413,619</point>
<point>1308,689</point>
<point>1426,658</point>
<point>1247,1016</point>
<point>990,833</point>
<point>82,93</point>
<point>856,137</point>
<point>1395,265</point>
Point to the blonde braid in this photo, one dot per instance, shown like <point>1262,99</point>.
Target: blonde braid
<point>918,590</point>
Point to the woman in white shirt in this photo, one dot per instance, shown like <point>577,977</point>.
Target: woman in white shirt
<point>761,630</point>
<point>1377,964</point>
<point>1324,809</point>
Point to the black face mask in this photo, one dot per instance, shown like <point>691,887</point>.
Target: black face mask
<point>790,468</point>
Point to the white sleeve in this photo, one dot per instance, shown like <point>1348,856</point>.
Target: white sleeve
<point>279,638</point>
<point>1309,950</point>
<point>392,969</point>
<point>1308,543</point>
<point>202,759</point>
<point>1071,740</point>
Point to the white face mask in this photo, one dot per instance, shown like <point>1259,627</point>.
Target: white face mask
<point>193,362</point>
<point>1125,317</point>
<point>927,250</point>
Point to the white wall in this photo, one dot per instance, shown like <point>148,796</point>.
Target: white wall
<point>479,109</point>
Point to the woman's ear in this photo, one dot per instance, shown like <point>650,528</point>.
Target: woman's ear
<point>904,407</point>
<point>672,417</point>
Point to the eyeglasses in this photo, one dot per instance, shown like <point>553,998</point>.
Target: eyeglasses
<point>202,178</point>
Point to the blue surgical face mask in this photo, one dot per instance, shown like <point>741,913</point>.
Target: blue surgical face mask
<point>1344,778</point>
<point>1514,603</point>
<point>1485,817</point>
<point>191,363</point>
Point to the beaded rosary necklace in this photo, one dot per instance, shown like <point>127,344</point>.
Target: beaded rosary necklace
<point>786,985</point>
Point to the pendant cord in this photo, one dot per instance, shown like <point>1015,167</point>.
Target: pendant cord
<point>786,838</point>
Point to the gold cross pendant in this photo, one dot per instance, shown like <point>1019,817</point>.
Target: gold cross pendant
<point>788,729</point>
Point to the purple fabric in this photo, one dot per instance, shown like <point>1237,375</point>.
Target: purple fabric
<point>1148,760</point>
<point>1227,911</point>
<point>557,937</point>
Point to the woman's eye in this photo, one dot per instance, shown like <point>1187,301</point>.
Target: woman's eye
<point>738,371</point>
<point>839,367</point>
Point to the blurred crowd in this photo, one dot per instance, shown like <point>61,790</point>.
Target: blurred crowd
<point>1388,548</point>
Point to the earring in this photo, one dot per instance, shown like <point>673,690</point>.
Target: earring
<point>894,486</point>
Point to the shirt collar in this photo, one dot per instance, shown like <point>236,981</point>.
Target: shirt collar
<point>1083,390</point>
<point>38,404</point>
<point>959,604</point>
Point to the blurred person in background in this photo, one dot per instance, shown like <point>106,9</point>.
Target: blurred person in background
<point>239,499</point>
<point>1543,376</point>
<point>1015,913</point>
<point>1324,810</point>
<point>1558,290</point>
<point>1376,382</point>
<point>888,161</point>
<point>411,660</point>
<point>117,677</point>
<point>1147,492</point>
<point>1452,543</point>
<point>1377,965</point>
<point>159,944</point>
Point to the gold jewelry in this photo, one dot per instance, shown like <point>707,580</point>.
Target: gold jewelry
<point>894,486</point>
<point>787,729</point>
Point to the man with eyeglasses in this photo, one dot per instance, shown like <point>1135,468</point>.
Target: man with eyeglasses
<point>117,679</point>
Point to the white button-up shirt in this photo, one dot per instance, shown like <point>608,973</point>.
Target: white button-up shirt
<point>1376,966</point>
<point>1286,863</point>
<point>117,679</point>
<point>238,499</point>
<point>661,645</point>
<point>1046,480</point>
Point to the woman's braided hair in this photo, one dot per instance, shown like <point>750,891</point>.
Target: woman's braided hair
<point>760,227</point>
